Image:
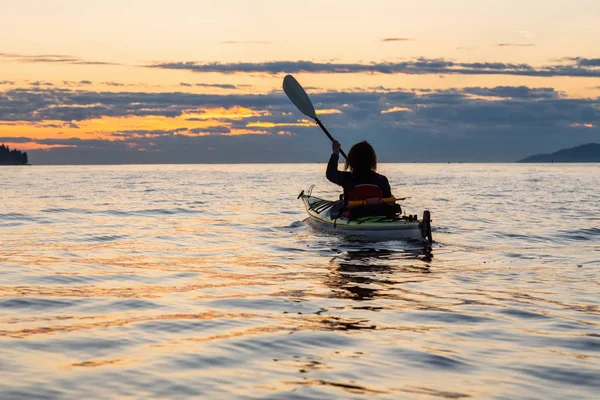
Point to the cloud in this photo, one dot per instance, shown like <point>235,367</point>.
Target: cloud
<point>576,67</point>
<point>212,85</point>
<point>116,84</point>
<point>37,104</point>
<point>177,149</point>
<point>396,109</point>
<point>573,66</point>
<point>515,45</point>
<point>580,125</point>
<point>41,83</point>
<point>50,58</point>
<point>471,124</point>
<point>77,83</point>
<point>7,83</point>
<point>217,85</point>
<point>517,92</point>
<point>586,62</point>
<point>16,139</point>
<point>396,39</point>
<point>217,130</point>
<point>27,144</point>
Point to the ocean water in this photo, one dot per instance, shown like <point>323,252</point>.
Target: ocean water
<point>204,281</point>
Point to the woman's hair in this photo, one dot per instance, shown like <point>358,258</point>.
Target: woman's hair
<point>361,158</point>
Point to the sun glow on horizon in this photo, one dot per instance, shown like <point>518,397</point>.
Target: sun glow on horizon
<point>198,122</point>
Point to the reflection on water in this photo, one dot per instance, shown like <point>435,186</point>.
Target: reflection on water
<point>203,282</point>
<point>364,274</point>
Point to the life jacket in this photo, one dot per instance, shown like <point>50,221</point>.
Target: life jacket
<point>367,193</point>
<point>367,200</point>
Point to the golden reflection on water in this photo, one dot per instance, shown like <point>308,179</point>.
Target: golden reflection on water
<point>23,333</point>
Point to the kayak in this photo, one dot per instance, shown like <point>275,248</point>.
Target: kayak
<point>385,227</point>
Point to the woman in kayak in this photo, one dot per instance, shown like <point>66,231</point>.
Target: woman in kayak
<point>362,163</point>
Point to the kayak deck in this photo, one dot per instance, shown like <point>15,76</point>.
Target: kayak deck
<point>319,212</point>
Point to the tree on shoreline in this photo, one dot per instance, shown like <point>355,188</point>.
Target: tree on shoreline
<point>12,157</point>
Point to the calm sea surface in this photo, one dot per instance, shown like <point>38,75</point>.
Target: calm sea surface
<point>173,281</point>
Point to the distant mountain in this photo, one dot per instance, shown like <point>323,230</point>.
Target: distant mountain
<point>12,157</point>
<point>585,153</point>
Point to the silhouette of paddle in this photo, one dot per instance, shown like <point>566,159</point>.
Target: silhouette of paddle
<point>295,92</point>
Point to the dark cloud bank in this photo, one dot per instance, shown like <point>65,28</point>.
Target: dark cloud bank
<point>473,124</point>
<point>568,66</point>
<point>574,67</point>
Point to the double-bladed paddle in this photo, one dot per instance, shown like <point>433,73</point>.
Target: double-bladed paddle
<point>295,92</point>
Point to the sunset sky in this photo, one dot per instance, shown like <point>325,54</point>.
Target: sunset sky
<point>200,81</point>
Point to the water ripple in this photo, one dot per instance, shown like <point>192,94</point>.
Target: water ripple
<point>204,281</point>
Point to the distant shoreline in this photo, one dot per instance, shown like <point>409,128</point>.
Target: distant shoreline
<point>12,157</point>
<point>586,153</point>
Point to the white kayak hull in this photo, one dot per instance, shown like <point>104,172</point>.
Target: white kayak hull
<point>368,227</point>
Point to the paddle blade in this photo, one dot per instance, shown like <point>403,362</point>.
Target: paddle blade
<point>298,96</point>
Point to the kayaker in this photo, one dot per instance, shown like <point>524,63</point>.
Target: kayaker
<point>362,180</point>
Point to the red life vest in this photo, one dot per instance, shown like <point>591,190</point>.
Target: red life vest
<point>370,194</point>
<point>366,200</point>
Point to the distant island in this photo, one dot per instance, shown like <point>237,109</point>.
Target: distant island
<point>12,157</point>
<point>587,153</point>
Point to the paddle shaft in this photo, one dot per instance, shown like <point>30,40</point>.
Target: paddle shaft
<point>329,136</point>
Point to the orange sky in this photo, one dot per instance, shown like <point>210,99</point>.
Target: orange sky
<point>107,46</point>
